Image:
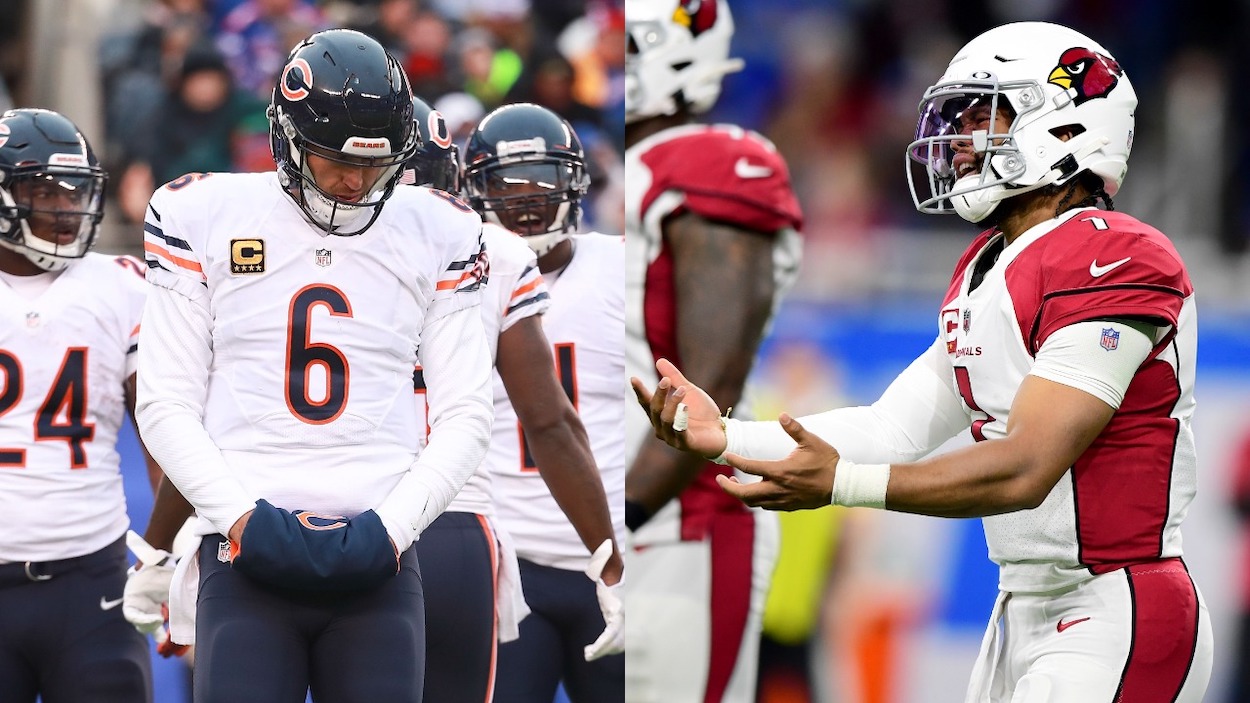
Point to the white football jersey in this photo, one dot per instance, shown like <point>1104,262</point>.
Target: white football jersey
<point>586,328</point>
<point>515,291</point>
<point>64,357</point>
<point>725,174</point>
<point>315,336</point>
<point>1123,499</point>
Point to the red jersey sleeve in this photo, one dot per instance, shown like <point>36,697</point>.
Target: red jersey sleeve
<point>724,174</point>
<point>1106,264</point>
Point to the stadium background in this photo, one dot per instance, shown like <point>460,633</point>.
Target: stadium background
<point>835,84</point>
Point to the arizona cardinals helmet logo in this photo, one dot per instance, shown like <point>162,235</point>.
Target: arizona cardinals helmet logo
<point>696,15</point>
<point>1089,73</point>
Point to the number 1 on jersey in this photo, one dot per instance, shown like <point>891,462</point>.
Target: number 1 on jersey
<point>964,381</point>
<point>566,371</point>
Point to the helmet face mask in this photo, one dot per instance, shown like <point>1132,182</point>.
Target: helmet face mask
<point>1070,109</point>
<point>533,196</point>
<point>51,189</point>
<point>525,170</point>
<point>677,53</point>
<point>342,99</point>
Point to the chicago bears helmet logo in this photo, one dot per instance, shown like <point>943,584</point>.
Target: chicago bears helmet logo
<point>296,80</point>
<point>4,134</point>
<point>437,128</point>
<point>317,521</point>
<point>1089,73</point>
<point>696,15</point>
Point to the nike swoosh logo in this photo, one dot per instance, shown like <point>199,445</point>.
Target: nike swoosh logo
<point>106,604</point>
<point>743,168</point>
<point>1095,270</point>
<point>1061,625</point>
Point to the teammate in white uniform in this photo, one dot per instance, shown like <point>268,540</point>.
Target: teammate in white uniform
<point>712,244</point>
<point>68,331</point>
<point>1066,344</point>
<point>525,170</point>
<point>287,313</point>
<point>473,589</point>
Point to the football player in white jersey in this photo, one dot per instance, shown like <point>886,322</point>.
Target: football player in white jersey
<point>1066,345</point>
<point>472,583</point>
<point>525,172</point>
<point>67,356</point>
<point>712,244</point>
<point>287,313</point>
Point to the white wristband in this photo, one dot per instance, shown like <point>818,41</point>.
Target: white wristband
<point>860,485</point>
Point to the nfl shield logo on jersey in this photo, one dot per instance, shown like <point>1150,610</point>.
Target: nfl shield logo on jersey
<point>323,257</point>
<point>967,320</point>
<point>223,552</point>
<point>1110,339</point>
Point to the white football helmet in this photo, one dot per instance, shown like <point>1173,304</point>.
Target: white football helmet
<point>1054,80</point>
<point>677,52</point>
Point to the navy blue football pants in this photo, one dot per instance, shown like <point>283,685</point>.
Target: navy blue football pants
<point>258,644</point>
<point>565,618</point>
<point>62,634</point>
<point>459,553</point>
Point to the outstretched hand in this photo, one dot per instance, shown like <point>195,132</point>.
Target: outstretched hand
<point>702,433</point>
<point>803,480</point>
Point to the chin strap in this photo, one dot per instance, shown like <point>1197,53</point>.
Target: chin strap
<point>976,205</point>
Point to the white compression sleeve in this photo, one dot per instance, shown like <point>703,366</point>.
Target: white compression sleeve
<point>916,413</point>
<point>175,353</point>
<point>1099,357</point>
<point>455,361</point>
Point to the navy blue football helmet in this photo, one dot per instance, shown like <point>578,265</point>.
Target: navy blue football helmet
<point>524,169</point>
<point>51,188</point>
<point>342,98</point>
<point>437,162</point>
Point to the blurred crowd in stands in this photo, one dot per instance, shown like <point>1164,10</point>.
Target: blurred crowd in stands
<point>186,89</point>
<point>836,84</point>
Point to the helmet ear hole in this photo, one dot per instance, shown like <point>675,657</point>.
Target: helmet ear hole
<point>1065,132</point>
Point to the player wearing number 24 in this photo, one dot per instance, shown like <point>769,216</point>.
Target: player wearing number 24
<point>287,312</point>
<point>69,322</point>
<point>1066,344</point>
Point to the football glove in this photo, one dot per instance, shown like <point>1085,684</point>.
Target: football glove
<point>164,646</point>
<point>612,641</point>
<point>147,587</point>
<point>308,551</point>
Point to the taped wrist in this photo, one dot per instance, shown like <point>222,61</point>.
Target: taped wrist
<point>860,485</point>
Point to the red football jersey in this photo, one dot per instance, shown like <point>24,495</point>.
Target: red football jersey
<point>1124,498</point>
<point>725,174</point>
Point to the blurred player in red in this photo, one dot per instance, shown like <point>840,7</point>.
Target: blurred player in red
<point>1066,344</point>
<point>712,243</point>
